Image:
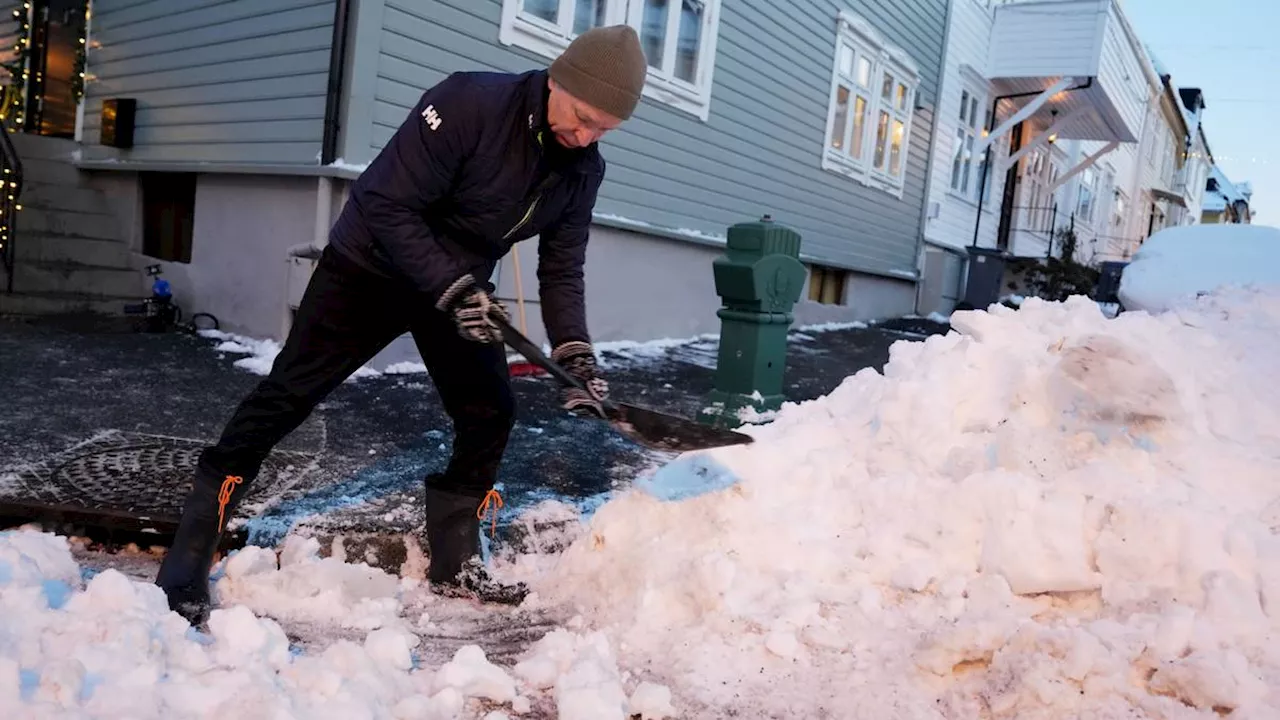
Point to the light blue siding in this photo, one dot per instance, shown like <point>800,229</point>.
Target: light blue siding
<point>216,82</point>
<point>760,150</point>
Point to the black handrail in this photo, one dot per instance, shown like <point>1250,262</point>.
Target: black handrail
<point>10,194</point>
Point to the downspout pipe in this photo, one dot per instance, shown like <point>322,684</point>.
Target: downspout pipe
<point>986,164</point>
<point>333,95</point>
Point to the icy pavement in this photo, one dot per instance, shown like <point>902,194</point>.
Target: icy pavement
<point>100,420</point>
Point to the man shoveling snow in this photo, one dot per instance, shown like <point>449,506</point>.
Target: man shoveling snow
<point>484,160</point>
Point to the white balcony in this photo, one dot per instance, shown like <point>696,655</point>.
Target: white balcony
<point>1078,63</point>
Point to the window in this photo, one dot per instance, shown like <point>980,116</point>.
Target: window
<point>168,214</point>
<point>826,285</point>
<point>967,170</point>
<point>678,37</point>
<point>873,87</point>
<point>1121,209</point>
<point>1088,192</point>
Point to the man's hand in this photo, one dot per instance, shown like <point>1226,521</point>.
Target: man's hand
<point>579,360</point>
<point>473,310</point>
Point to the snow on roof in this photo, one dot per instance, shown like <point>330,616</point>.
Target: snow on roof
<point>1160,67</point>
<point>1227,192</point>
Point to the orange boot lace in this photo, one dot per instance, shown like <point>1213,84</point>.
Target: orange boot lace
<point>224,496</point>
<point>490,498</point>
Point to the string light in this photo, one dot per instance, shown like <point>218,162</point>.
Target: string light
<point>78,73</point>
<point>13,114</point>
<point>12,104</point>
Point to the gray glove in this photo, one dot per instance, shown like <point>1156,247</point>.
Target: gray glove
<point>473,310</point>
<point>579,360</point>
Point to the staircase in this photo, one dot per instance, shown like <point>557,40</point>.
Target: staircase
<point>68,253</point>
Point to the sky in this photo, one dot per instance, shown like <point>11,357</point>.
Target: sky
<point>1228,49</point>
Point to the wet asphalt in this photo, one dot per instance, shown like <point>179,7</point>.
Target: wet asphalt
<point>107,421</point>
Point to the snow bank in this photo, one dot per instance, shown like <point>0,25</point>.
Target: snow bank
<point>109,648</point>
<point>1179,262</point>
<point>1046,514</point>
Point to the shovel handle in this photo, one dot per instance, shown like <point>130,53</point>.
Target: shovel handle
<point>534,354</point>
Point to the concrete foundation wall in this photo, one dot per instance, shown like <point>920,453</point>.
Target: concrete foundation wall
<point>644,287</point>
<point>639,286</point>
<point>244,226</point>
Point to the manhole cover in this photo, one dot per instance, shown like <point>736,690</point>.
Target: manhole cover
<point>133,475</point>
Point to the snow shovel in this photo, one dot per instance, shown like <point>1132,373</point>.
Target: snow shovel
<point>650,428</point>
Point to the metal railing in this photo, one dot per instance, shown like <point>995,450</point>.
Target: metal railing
<point>10,194</point>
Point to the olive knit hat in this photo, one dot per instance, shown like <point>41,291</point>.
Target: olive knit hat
<point>605,68</point>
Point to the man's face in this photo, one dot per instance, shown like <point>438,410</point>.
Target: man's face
<point>575,123</point>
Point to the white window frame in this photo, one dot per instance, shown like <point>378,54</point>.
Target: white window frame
<point>1088,184</point>
<point>855,32</point>
<point>521,29</point>
<point>973,121</point>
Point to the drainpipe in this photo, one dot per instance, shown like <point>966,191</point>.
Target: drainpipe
<point>333,96</point>
<point>986,165</point>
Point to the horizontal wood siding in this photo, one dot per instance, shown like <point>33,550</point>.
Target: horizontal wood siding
<point>1046,39</point>
<point>1121,74</point>
<point>216,81</point>
<point>760,151</point>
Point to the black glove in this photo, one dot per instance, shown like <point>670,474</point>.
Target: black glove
<point>473,310</point>
<point>579,360</point>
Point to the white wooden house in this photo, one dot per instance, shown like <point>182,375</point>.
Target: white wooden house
<point>1062,93</point>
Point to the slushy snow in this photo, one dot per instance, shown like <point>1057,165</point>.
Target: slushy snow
<point>1044,514</point>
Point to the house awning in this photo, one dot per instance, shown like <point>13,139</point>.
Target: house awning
<point>1174,198</point>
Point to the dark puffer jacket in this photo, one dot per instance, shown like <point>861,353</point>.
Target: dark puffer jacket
<point>471,171</point>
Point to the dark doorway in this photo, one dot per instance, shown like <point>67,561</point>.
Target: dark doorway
<point>57,27</point>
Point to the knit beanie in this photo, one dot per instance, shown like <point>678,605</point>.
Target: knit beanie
<point>605,68</point>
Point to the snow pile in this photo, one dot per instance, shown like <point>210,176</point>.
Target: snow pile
<point>1046,514</point>
<point>301,586</point>
<point>261,353</point>
<point>109,648</point>
<point>1179,262</point>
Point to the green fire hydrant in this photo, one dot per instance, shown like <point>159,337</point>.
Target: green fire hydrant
<point>759,279</point>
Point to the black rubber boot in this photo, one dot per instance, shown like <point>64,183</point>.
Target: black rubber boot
<point>184,572</point>
<point>453,540</point>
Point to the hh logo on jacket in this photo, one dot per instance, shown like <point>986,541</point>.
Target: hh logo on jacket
<point>432,117</point>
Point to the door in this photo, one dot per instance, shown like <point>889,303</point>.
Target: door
<point>55,65</point>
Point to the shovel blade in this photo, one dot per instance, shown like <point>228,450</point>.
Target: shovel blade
<point>671,433</point>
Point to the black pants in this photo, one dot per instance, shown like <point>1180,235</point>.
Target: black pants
<point>347,316</point>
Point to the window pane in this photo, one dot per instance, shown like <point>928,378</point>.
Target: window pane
<point>588,14</point>
<point>895,153</point>
<point>690,40</point>
<point>968,164</point>
<point>842,117</point>
<point>957,158</point>
<point>973,111</point>
<point>846,60</point>
<point>901,100</point>
<point>882,138</point>
<point>864,72</point>
<point>548,10</point>
<point>859,124</point>
<point>887,91</point>
<point>653,34</point>
<point>964,106</point>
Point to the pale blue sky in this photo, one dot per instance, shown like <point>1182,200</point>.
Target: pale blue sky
<point>1227,48</point>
